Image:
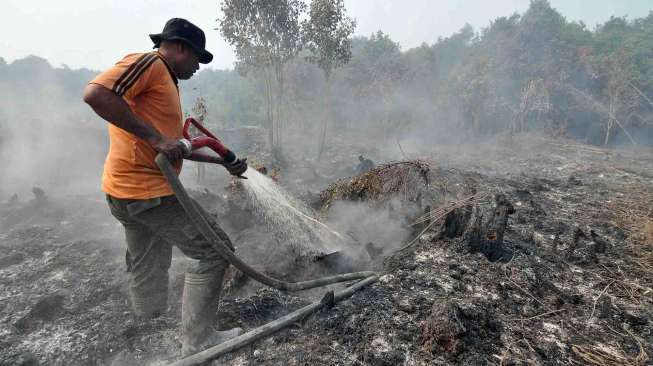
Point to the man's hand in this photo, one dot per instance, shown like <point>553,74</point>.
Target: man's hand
<point>237,168</point>
<point>172,148</point>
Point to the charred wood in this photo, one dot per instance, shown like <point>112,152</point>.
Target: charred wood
<point>487,236</point>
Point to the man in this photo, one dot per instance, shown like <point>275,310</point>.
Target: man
<point>140,98</point>
<point>364,165</point>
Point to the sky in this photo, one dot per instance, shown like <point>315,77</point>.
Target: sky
<point>96,33</point>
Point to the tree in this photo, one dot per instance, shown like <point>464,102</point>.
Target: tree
<point>326,35</point>
<point>199,113</point>
<point>616,71</point>
<point>376,70</point>
<point>266,35</point>
<point>474,90</point>
<point>451,51</point>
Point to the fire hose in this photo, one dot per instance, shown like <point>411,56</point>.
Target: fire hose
<point>202,224</point>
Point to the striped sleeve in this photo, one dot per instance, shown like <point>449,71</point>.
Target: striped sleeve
<point>130,76</point>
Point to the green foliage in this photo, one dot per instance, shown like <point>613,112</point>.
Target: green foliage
<point>263,33</point>
<point>376,66</point>
<point>327,34</point>
<point>451,50</point>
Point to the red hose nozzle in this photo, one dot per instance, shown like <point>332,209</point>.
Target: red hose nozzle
<point>210,141</point>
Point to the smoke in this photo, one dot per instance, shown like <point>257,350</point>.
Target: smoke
<point>385,226</point>
<point>50,139</point>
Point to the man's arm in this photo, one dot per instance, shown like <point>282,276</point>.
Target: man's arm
<point>115,110</point>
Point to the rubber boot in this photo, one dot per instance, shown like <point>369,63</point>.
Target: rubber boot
<point>149,301</point>
<point>199,311</point>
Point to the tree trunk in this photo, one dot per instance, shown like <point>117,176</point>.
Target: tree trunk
<point>280,101</point>
<point>487,238</point>
<point>268,95</point>
<point>326,105</point>
<point>384,95</point>
<point>608,129</point>
<point>386,116</point>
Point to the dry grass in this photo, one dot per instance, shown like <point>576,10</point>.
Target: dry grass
<point>591,355</point>
<point>609,356</point>
<point>647,232</point>
<point>403,179</point>
<point>442,211</point>
<point>434,216</point>
<point>633,214</point>
<point>645,240</point>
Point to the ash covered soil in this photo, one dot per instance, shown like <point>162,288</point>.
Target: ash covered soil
<point>572,283</point>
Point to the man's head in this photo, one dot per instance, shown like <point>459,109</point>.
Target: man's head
<point>183,45</point>
<point>361,158</point>
<point>181,57</point>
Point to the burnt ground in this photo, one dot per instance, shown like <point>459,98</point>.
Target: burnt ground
<point>574,286</point>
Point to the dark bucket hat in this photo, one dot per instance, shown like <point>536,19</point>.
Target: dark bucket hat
<point>183,30</point>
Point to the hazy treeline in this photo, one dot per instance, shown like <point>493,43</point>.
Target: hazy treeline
<point>535,71</point>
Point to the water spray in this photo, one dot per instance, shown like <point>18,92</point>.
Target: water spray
<point>286,215</point>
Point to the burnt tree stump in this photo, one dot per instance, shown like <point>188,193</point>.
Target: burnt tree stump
<point>487,237</point>
<point>456,222</point>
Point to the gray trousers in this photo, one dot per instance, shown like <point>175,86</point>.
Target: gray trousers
<point>152,227</point>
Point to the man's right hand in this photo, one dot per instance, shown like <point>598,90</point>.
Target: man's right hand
<point>237,168</point>
<point>172,148</point>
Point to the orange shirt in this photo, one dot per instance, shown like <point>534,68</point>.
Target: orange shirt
<point>149,86</point>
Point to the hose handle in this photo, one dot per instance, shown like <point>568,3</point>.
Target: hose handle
<point>192,121</point>
<point>208,140</point>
